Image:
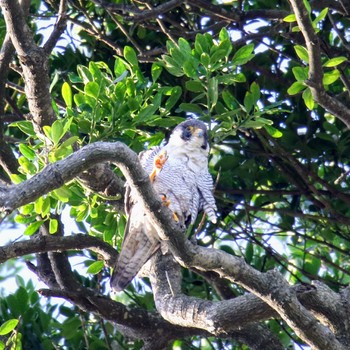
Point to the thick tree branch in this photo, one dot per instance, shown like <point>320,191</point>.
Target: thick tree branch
<point>34,62</point>
<point>314,81</point>
<point>330,307</point>
<point>236,316</point>
<point>44,244</point>
<point>131,321</point>
<point>57,174</point>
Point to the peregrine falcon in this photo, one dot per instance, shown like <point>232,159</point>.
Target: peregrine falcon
<point>179,174</point>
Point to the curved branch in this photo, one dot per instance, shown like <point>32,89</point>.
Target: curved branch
<point>42,244</point>
<point>314,81</point>
<point>131,321</point>
<point>236,316</point>
<point>34,62</point>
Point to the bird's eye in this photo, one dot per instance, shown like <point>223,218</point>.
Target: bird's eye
<point>187,133</point>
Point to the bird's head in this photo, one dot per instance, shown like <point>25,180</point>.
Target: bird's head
<point>191,133</point>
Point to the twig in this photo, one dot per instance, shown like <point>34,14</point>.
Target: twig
<point>314,80</point>
<point>59,28</point>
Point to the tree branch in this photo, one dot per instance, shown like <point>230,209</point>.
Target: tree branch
<point>59,28</point>
<point>236,316</point>
<point>34,62</point>
<point>314,81</point>
<point>43,244</point>
<point>134,322</point>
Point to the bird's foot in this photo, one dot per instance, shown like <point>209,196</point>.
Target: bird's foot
<point>159,162</point>
<point>166,202</point>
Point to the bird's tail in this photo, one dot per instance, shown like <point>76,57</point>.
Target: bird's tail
<point>136,250</point>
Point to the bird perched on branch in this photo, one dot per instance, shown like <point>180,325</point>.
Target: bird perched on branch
<point>179,174</point>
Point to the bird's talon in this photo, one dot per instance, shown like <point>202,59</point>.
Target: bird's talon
<point>175,217</point>
<point>153,175</point>
<point>165,201</point>
<point>160,159</point>
<point>159,162</point>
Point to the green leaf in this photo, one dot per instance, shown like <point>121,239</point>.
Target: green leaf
<point>20,281</point>
<point>229,100</point>
<point>308,99</point>
<point>203,43</point>
<point>290,18</point>
<point>334,61</point>
<point>194,86</point>
<point>320,17</point>
<point>302,53</point>
<point>312,265</point>
<point>156,70</point>
<point>27,209</point>
<point>38,205</point>
<point>56,131</point>
<point>26,151</point>
<point>119,67</point>
<point>67,94</point>
<point>213,91</point>
<point>255,91</point>
<point>45,209</point>
<point>17,178</point>
<point>130,56</point>
<point>300,73</point>
<point>47,131</point>
<point>84,73</point>
<point>22,299</point>
<point>275,133</point>
<point>248,102</point>
<point>331,77</point>
<point>189,69</point>
<point>307,6</point>
<point>95,267</point>
<point>145,113</point>
<point>224,35</point>
<point>63,193</point>
<point>205,59</point>
<point>190,107</point>
<point>179,57</point>
<point>172,67</point>
<point>8,326</point>
<point>24,126</point>
<point>217,56</point>
<point>296,88</point>
<point>69,141</point>
<point>257,123</point>
<point>53,226</point>
<point>92,89</point>
<point>243,55</point>
<point>32,228</point>
<point>174,97</point>
<point>185,47</point>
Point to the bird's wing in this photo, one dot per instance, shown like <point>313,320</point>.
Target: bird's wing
<point>140,239</point>
<point>146,159</point>
<point>140,243</point>
<point>207,201</point>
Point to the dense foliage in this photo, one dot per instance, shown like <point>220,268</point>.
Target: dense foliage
<point>276,105</point>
